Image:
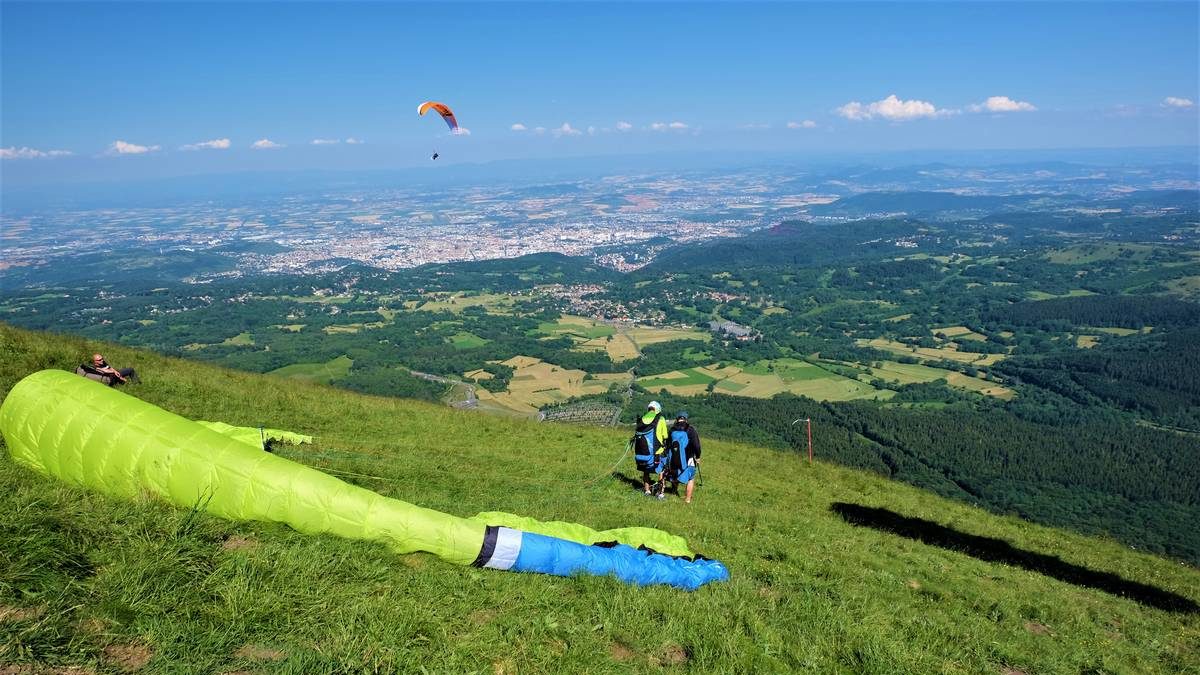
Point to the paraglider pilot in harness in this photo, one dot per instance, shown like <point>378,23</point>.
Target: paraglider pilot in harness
<point>683,455</point>
<point>649,443</point>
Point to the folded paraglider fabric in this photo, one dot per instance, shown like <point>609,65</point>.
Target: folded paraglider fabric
<point>257,437</point>
<point>90,435</point>
<point>637,537</point>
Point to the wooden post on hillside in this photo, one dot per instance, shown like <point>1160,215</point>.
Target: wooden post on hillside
<point>808,424</point>
<point>809,421</point>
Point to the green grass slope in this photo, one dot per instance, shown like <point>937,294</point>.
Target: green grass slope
<point>106,585</point>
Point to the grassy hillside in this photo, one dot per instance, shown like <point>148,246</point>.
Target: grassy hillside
<point>833,570</point>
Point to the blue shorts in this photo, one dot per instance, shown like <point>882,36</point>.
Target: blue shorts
<point>658,466</point>
<point>688,473</point>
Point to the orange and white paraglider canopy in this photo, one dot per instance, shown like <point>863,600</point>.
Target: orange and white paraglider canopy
<point>441,109</point>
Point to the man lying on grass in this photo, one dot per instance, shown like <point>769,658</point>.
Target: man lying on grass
<point>122,376</point>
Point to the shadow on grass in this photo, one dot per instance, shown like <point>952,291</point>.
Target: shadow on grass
<point>636,483</point>
<point>998,550</point>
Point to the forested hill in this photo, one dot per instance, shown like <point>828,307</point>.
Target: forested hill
<point>918,203</point>
<point>877,576</point>
<point>796,243</point>
<point>1117,311</point>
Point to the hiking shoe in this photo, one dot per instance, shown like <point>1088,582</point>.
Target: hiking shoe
<point>661,496</point>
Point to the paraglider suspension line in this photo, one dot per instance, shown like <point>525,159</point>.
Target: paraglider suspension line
<point>612,468</point>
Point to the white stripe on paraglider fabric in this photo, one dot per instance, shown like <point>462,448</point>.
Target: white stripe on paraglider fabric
<point>508,546</point>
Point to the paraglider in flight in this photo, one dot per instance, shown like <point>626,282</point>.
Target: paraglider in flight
<point>441,109</point>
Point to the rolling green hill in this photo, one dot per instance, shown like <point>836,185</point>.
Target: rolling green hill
<point>833,570</point>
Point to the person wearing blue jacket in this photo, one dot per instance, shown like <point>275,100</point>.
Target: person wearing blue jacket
<point>684,459</point>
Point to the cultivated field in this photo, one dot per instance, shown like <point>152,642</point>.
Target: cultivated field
<point>912,373</point>
<point>467,340</point>
<point>959,332</point>
<point>962,381</point>
<point>319,299</point>
<point>647,335</point>
<point>536,384</point>
<point>948,352</point>
<point>1042,295</point>
<point>352,327</point>
<point>621,341</point>
<point>316,372</point>
<point>1119,332</point>
<point>493,303</point>
<point>1085,254</point>
<point>577,326</point>
<point>764,379</point>
<point>241,339</point>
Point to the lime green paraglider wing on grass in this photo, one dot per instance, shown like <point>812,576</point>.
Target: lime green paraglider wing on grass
<point>256,436</point>
<point>91,435</point>
<point>662,542</point>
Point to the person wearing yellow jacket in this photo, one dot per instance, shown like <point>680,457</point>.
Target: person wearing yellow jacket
<point>650,443</point>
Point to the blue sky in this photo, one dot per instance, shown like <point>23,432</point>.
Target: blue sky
<point>127,89</point>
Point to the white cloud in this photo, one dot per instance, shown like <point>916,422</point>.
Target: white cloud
<point>123,148</point>
<point>539,130</point>
<point>624,126</point>
<point>265,144</point>
<point>806,124</point>
<point>565,130</point>
<point>1176,102</point>
<point>892,108</point>
<point>354,141</point>
<point>756,126</point>
<point>591,131</point>
<point>999,104</point>
<point>325,141</point>
<point>519,127</point>
<point>461,131</point>
<point>215,144</point>
<point>664,126</point>
<point>32,153</point>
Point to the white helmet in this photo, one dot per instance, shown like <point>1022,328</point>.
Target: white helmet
<point>655,406</point>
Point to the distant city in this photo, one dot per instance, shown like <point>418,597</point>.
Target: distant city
<point>620,221</point>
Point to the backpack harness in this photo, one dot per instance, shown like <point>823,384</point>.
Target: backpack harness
<point>644,441</point>
<point>679,443</point>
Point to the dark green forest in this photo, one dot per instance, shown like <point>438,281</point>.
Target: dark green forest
<point>1095,473</point>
